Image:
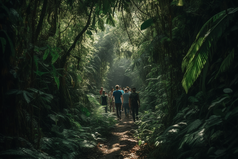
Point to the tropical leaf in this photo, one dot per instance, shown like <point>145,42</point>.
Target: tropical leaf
<point>208,35</point>
<point>146,23</point>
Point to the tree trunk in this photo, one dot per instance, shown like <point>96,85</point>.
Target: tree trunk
<point>62,89</point>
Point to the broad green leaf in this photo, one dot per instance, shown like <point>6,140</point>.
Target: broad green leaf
<point>208,35</point>
<point>147,24</point>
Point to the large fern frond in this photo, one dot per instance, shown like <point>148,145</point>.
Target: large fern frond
<point>198,53</point>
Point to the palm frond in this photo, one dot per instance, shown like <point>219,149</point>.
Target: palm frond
<point>198,53</point>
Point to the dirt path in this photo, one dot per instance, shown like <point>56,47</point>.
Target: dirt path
<point>120,145</point>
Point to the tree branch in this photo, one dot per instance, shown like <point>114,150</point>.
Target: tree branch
<point>139,8</point>
<point>79,35</point>
<point>138,28</point>
<point>68,25</point>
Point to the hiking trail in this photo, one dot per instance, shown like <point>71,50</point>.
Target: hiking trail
<point>121,144</point>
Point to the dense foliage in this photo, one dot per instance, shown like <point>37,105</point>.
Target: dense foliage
<point>201,121</point>
<point>180,54</point>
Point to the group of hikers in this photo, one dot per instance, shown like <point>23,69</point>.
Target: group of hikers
<point>125,98</point>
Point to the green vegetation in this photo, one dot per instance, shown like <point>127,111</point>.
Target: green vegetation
<point>180,55</point>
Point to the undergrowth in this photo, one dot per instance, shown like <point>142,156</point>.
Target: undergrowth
<point>200,129</point>
<point>69,136</point>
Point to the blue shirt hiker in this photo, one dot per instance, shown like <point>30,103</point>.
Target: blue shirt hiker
<point>117,94</point>
<point>126,103</point>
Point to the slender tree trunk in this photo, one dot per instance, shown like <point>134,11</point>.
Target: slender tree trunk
<point>62,89</point>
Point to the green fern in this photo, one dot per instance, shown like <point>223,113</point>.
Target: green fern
<point>208,35</point>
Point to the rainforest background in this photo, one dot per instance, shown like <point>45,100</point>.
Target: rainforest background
<point>181,55</point>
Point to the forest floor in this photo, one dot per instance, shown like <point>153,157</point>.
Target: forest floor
<point>120,144</point>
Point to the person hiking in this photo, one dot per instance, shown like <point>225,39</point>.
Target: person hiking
<point>104,100</point>
<point>121,90</point>
<point>101,90</point>
<point>117,95</point>
<point>129,91</point>
<point>126,102</point>
<point>122,94</point>
<point>134,103</point>
<point>111,100</point>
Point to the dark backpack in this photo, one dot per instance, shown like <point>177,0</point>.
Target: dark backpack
<point>104,100</point>
<point>134,98</point>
